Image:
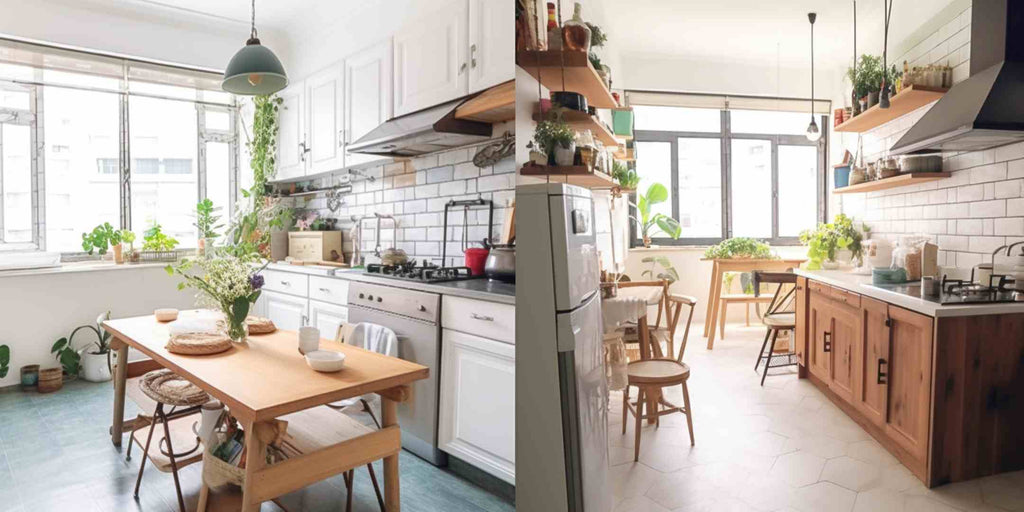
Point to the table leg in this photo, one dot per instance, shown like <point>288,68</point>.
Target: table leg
<point>255,460</point>
<point>120,381</point>
<point>392,495</point>
<point>711,296</point>
<point>716,299</point>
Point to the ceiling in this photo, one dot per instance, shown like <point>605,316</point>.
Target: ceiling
<point>758,32</point>
<point>276,15</point>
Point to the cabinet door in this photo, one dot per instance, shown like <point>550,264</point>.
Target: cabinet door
<point>291,133</point>
<point>327,317</point>
<point>491,43</point>
<point>430,59</point>
<point>910,378</point>
<point>819,320</point>
<point>325,101</point>
<point>845,340</point>
<point>286,311</point>
<point>477,416</point>
<point>872,391</point>
<point>800,331</point>
<point>368,95</point>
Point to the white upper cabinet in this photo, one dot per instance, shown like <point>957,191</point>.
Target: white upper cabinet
<point>368,95</point>
<point>491,43</point>
<point>325,111</point>
<point>291,135</point>
<point>431,64</point>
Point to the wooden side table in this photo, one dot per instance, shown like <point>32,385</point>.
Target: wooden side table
<point>719,268</point>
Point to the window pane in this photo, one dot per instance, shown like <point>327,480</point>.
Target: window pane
<point>700,188</point>
<point>81,131</point>
<point>219,121</point>
<point>654,165</point>
<point>677,119</point>
<point>15,145</point>
<point>752,188</point>
<point>218,183</point>
<point>14,99</point>
<point>769,122</point>
<point>798,189</point>
<point>162,131</point>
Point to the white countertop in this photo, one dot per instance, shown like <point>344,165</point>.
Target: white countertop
<point>862,285</point>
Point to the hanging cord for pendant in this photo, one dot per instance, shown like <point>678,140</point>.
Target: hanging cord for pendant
<point>887,11</point>
<point>252,32</point>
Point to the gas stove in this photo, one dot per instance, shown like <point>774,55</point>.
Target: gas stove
<point>424,272</point>
<point>999,289</point>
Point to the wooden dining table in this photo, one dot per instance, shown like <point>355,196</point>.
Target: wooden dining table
<point>718,269</point>
<point>266,378</point>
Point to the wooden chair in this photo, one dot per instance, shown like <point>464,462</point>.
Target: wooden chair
<point>673,312</point>
<point>630,335</point>
<point>738,298</point>
<point>780,316</point>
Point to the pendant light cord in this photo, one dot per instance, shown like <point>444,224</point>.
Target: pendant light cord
<point>812,70</point>
<point>252,33</point>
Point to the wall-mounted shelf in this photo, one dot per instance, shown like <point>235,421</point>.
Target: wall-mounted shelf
<point>495,105</point>
<point>567,71</point>
<point>580,121</point>
<point>900,180</point>
<point>908,100</point>
<point>578,175</point>
<point>625,154</point>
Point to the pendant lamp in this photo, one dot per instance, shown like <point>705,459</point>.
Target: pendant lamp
<point>254,70</point>
<point>813,133</point>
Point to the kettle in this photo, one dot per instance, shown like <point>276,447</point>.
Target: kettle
<point>501,263</point>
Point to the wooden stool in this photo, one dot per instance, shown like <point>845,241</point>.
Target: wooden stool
<point>166,388</point>
<point>738,298</point>
<point>649,376</point>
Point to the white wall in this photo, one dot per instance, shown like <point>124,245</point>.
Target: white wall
<point>36,310</point>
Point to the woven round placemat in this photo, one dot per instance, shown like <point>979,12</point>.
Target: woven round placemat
<point>198,343</point>
<point>166,387</point>
<point>258,325</point>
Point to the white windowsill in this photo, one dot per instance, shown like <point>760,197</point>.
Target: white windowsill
<point>81,266</point>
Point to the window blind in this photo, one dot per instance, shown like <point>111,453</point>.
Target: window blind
<point>725,102</point>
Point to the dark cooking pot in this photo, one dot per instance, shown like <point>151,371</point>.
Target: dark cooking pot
<point>501,263</point>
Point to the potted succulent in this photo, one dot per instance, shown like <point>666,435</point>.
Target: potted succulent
<point>656,193</point>
<point>826,243</point>
<point>558,141</point>
<point>206,224</point>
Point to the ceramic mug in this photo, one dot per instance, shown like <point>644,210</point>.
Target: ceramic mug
<point>309,339</point>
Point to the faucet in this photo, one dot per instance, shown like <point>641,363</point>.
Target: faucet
<point>1009,248</point>
<point>377,249</point>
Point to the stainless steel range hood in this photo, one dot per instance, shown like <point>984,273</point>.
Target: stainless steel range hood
<point>987,109</point>
<point>425,131</point>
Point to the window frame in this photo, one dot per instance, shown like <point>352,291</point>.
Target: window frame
<point>726,136</point>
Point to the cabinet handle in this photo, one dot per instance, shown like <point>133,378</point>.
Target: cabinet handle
<point>472,53</point>
<point>286,283</point>
<point>325,290</point>
<point>482,317</point>
<point>462,68</point>
<point>827,342</point>
<point>883,377</point>
<point>341,138</point>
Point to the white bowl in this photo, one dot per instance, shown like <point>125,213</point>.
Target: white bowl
<point>325,360</point>
<point>166,315</point>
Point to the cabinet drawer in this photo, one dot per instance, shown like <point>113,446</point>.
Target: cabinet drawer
<point>482,318</point>
<point>327,289</point>
<point>846,297</point>
<point>817,287</point>
<point>286,282</point>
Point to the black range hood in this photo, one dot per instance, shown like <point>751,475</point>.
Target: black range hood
<point>987,109</point>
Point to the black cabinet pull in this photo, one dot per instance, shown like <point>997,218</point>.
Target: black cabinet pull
<point>883,377</point>
<point>827,342</point>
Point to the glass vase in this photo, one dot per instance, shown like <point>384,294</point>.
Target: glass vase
<point>238,332</point>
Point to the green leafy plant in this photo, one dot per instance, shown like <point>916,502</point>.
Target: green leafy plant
<point>101,238</point>
<point>5,360</point>
<point>552,133</point>
<point>740,247</point>
<point>666,272</point>
<point>597,36</point>
<point>823,242</point>
<point>263,144</point>
<point>154,239</point>
<point>68,357</point>
<point>627,178</point>
<point>656,193</point>
<point>228,283</point>
<point>128,237</point>
<point>102,342</point>
<point>868,76</point>
<point>249,232</point>
<point>207,218</point>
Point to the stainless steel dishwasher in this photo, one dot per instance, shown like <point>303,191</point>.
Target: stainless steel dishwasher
<point>415,317</point>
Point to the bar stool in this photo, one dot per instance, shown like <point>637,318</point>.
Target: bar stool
<point>167,388</point>
<point>780,316</point>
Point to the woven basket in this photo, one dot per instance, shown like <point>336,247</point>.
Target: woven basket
<point>217,472</point>
<point>51,379</point>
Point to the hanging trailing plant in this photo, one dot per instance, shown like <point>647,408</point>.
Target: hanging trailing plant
<point>263,144</point>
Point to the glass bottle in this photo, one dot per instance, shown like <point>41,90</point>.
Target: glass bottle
<point>575,33</point>
<point>554,33</point>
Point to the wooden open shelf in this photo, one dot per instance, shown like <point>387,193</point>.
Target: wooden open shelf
<point>580,121</point>
<point>567,71</point>
<point>495,105</point>
<point>625,154</point>
<point>901,180</point>
<point>578,175</point>
<point>908,100</point>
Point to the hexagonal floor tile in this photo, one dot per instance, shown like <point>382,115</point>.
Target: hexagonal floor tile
<point>851,473</point>
<point>824,496</point>
<point>798,468</point>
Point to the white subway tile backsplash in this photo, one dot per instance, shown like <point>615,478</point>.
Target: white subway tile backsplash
<point>439,174</point>
<point>990,172</point>
<point>1009,226</point>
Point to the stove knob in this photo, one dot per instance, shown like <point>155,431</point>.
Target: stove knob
<point>370,297</point>
<point>361,296</point>
<point>423,308</point>
<point>379,299</point>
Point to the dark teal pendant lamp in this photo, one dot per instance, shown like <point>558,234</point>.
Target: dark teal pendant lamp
<point>254,70</point>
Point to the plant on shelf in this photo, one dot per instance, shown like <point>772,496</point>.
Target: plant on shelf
<point>867,80</point>
<point>648,221</point>
<point>69,358</point>
<point>249,232</point>
<point>5,360</point>
<point>95,357</point>
<point>227,283</point>
<point>627,178</point>
<point>154,239</point>
<point>557,140</point>
<point>824,242</point>
<point>309,222</point>
<point>667,271</point>
<point>741,247</point>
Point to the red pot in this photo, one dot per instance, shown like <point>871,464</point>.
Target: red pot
<point>475,260</point>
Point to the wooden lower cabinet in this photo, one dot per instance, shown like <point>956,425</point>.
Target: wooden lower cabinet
<point>909,380</point>
<point>819,324</point>
<point>800,331</point>
<point>844,341</point>
<point>872,388</point>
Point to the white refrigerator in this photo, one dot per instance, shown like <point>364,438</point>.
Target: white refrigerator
<point>561,389</point>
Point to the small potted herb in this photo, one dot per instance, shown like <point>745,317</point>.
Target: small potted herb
<point>826,243</point>
<point>128,237</point>
<point>206,224</point>
<point>628,178</point>
<point>102,238</point>
<point>558,141</point>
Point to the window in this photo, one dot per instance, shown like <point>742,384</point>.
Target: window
<point>178,166</point>
<point>16,185</point>
<point>731,173</point>
<point>107,165</point>
<point>145,165</point>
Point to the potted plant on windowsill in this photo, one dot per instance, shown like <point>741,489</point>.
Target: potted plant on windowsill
<point>206,225</point>
<point>160,245</point>
<point>102,238</point>
<point>648,221</point>
<point>128,237</point>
